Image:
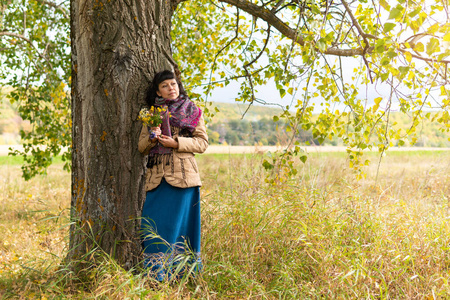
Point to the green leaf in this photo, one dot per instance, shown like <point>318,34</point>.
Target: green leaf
<point>395,13</point>
<point>380,45</point>
<point>388,27</point>
<point>391,54</point>
<point>303,158</point>
<point>385,5</point>
<point>385,61</point>
<point>267,165</point>
<point>415,12</point>
<point>322,45</point>
<point>443,55</point>
<point>432,46</point>
<point>403,71</point>
<point>384,76</point>
<point>315,9</point>
<point>276,118</point>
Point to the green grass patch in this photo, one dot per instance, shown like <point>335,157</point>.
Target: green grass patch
<point>11,160</point>
<point>18,160</point>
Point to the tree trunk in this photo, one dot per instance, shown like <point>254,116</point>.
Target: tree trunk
<point>117,46</point>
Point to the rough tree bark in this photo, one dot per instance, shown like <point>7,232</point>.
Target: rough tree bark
<point>117,46</point>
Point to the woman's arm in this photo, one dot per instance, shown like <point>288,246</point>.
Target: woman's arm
<point>145,143</point>
<point>197,143</point>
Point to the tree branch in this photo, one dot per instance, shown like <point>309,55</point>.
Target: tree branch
<point>364,35</point>
<point>266,15</point>
<point>276,6</point>
<point>356,24</point>
<point>283,28</point>
<point>249,77</point>
<point>57,7</point>
<point>19,36</point>
<point>426,59</point>
<point>236,34</point>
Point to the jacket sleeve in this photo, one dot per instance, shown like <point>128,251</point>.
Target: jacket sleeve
<point>197,143</point>
<point>145,144</point>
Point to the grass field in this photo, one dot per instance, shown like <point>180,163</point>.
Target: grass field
<point>320,235</point>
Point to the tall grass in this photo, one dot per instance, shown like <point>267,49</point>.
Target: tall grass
<point>320,235</point>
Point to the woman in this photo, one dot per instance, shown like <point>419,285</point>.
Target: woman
<point>171,212</point>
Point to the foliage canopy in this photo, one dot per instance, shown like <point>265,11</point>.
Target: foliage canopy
<point>35,62</point>
<point>349,63</point>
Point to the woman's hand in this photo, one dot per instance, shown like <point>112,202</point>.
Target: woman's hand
<point>156,131</point>
<point>167,141</point>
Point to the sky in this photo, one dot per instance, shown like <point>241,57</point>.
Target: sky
<point>270,94</point>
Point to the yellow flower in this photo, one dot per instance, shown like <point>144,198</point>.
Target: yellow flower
<point>152,116</point>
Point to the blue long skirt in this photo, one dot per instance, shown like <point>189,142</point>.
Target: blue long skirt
<point>171,231</point>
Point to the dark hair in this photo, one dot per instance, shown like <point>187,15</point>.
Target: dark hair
<point>160,77</point>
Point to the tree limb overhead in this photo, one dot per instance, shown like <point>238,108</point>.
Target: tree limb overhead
<point>269,17</point>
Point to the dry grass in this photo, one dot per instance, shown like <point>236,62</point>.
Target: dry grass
<point>33,218</point>
<point>321,235</point>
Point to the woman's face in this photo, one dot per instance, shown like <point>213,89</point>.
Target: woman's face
<point>168,89</point>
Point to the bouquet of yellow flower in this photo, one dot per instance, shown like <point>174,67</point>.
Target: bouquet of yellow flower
<point>152,117</point>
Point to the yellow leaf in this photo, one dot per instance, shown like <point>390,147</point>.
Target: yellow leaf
<point>375,107</point>
<point>378,100</point>
<point>432,29</point>
<point>419,47</point>
<point>408,57</point>
<point>447,37</point>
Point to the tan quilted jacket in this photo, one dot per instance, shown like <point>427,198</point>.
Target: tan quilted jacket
<point>182,170</point>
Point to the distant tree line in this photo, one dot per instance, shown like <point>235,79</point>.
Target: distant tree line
<point>264,131</point>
